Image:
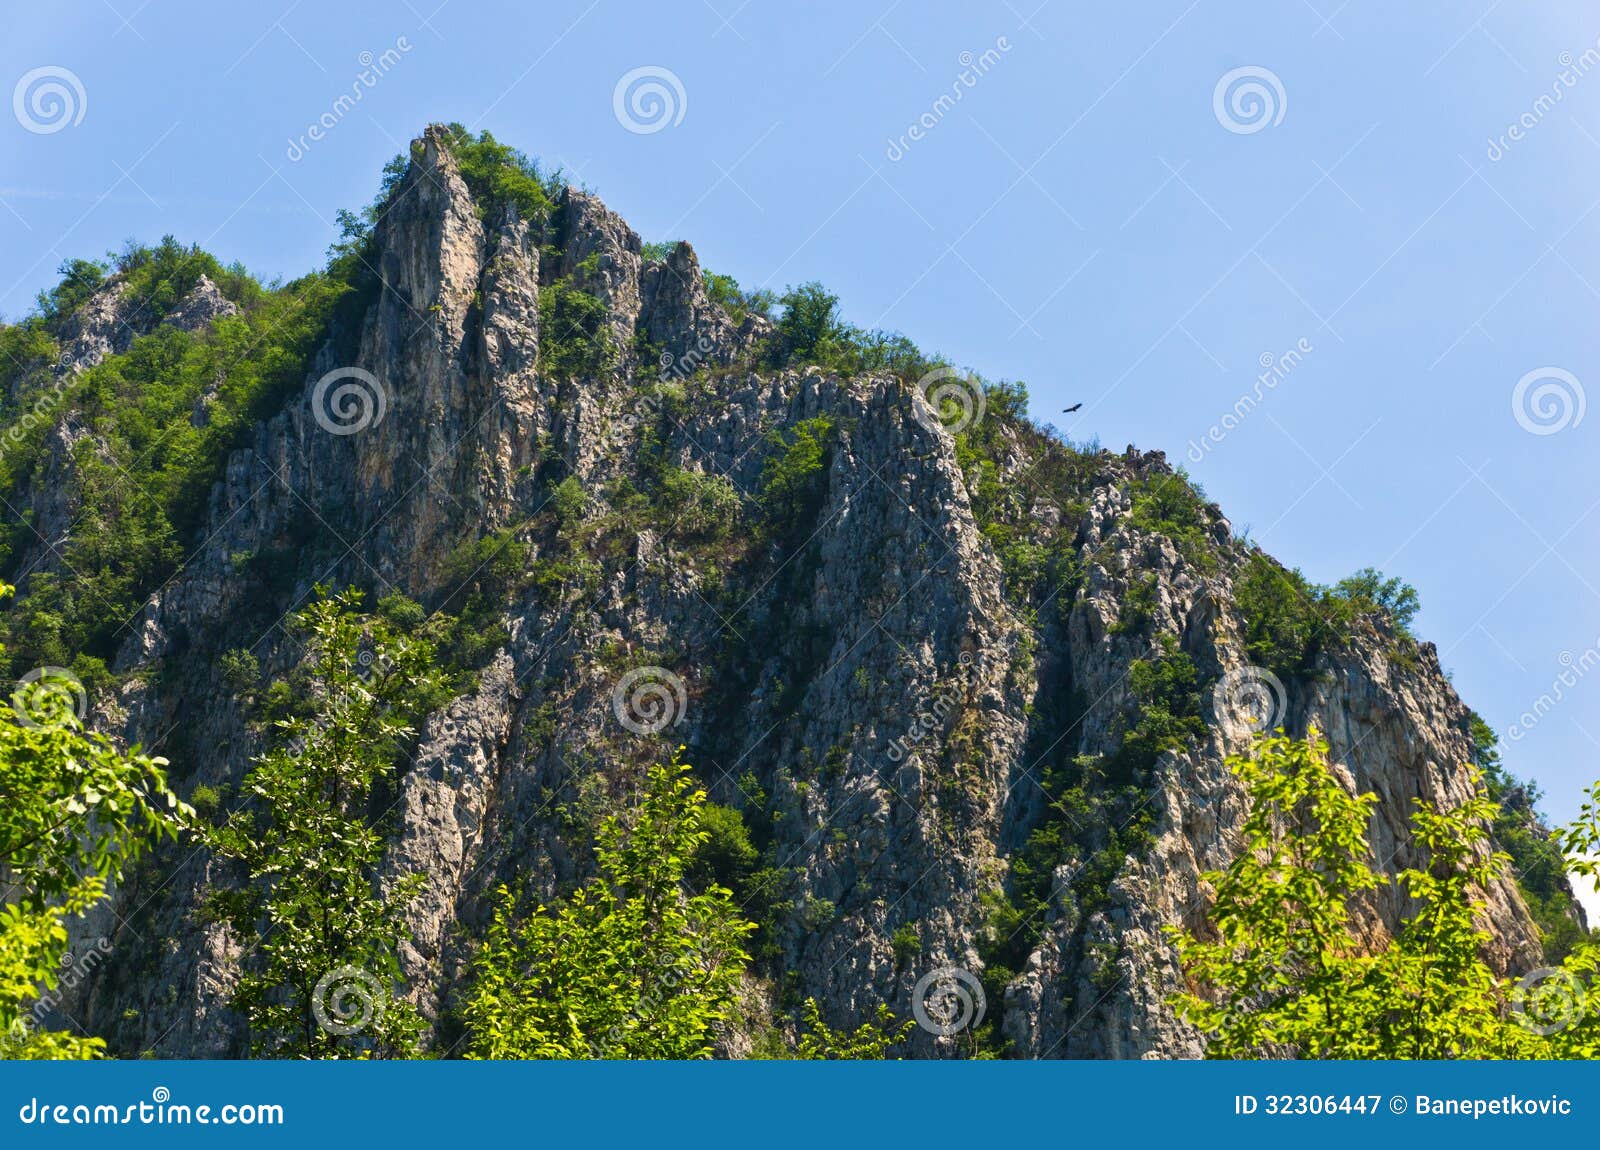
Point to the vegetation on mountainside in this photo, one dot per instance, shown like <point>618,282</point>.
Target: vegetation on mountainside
<point>77,813</point>
<point>677,888</point>
<point>632,964</point>
<point>1537,861</point>
<point>1284,972</point>
<point>320,931</point>
<point>161,420</point>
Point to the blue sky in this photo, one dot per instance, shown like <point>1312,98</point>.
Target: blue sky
<point>1082,219</point>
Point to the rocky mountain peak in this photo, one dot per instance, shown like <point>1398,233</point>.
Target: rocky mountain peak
<point>915,657</point>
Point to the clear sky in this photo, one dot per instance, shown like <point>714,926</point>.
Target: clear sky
<point>1091,216</point>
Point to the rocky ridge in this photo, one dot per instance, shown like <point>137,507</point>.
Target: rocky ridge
<point>868,686</point>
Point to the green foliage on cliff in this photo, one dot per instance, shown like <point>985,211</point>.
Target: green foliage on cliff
<point>77,813</point>
<point>1172,505</point>
<point>634,964</point>
<point>794,478</point>
<point>1289,620</point>
<point>1286,974</point>
<point>497,174</point>
<point>161,419</point>
<point>810,330</point>
<point>575,341</point>
<point>1537,862</point>
<point>320,931</point>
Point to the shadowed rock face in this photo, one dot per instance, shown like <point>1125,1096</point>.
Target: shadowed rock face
<point>866,673</point>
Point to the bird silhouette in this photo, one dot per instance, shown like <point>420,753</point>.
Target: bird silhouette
<point>1070,410</point>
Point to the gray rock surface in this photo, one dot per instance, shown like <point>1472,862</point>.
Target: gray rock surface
<point>871,679</point>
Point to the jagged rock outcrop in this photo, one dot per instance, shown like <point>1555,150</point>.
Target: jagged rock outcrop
<point>862,682</point>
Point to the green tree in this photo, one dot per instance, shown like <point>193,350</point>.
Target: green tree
<point>1368,591</point>
<point>1284,974</point>
<point>323,928</point>
<point>871,1041</point>
<point>634,964</point>
<point>1439,997</point>
<point>76,813</point>
<point>1281,972</point>
<point>809,326</point>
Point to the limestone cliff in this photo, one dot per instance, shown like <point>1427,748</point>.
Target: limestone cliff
<point>875,685</point>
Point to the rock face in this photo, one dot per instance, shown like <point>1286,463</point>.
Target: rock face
<point>106,324</point>
<point>861,685</point>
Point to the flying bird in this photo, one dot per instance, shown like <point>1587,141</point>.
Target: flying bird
<point>1070,410</point>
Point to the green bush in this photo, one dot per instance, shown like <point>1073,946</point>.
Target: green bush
<point>726,856</point>
<point>496,174</point>
<point>568,502</point>
<point>1173,506</point>
<point>574,335</point>
<point>239,669</point>
<point>810,330</point>
<point>725,291</point>
<point>699,506</point>
<point>794,477</point>
<point>1289,620</point>
<point>906,943</point>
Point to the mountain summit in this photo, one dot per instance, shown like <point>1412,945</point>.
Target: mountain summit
<point>963,689</point>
